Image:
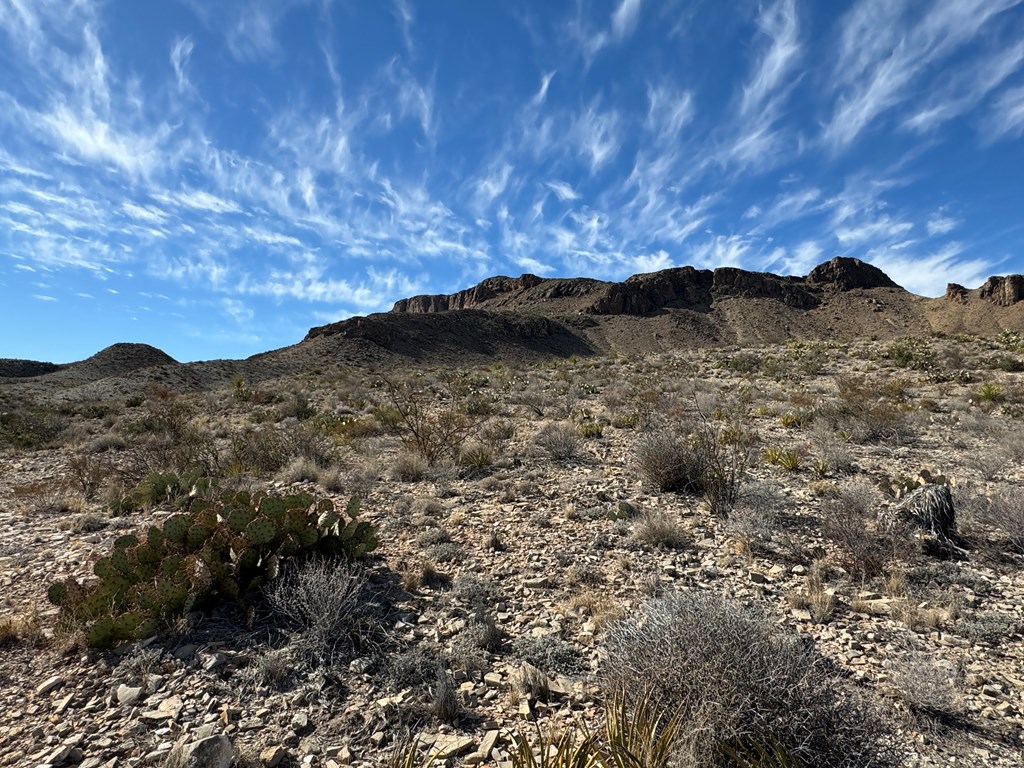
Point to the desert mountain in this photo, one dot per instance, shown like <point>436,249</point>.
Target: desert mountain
<point>530,318</point>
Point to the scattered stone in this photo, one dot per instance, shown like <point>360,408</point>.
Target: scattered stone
<point>272,756</point>
<point>51,684</point>
<point>211,752</point>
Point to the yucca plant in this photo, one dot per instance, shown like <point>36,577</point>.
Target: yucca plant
<point>571,748</point>
<point>639,737</point>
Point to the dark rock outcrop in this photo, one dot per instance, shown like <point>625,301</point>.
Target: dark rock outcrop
<point>685,288</point>
<point>1003,291</point>
<point>23,369</point>
<point>956,292</point>
<point>697,289</point>
<point>738,283</point>
<point>470,298</point>
<point>848,274</point>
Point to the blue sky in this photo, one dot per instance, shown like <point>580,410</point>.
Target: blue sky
<point>214,178</point>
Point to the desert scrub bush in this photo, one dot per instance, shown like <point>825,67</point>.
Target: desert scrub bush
<point>475,455</point>
<point>297,406</point>
<point>559,441</point>
<point>24,629</point>
<point>1011,341</point>
<point>729,675</point>
<point>667,461</point>
<point>910,352</point>
<point>298,470</point>
<point>661,530</point>
<point>409,467</point>
<point>212,553</point>
<point>754,520</point>
<point>707,457</point>
<point>330,606</point>
<point>927,687</point>
<point>549,654</point>
<point>1005,513</point>
<point>433,420</point>
<point>862,414</point>
<point>30,428</point>
<point>989,393</point>
<point>89,472</point>
<point>1007,363</point>
<point>851,521</point>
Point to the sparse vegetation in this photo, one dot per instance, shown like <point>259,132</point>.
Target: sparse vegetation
<point>521,516</point>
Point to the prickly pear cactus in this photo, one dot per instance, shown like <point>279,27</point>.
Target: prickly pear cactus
<point>218,549</point>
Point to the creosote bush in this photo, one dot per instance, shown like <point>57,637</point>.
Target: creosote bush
<point>326,602</point>
<point>706,457</point>
<point>433,420</point>
<point>851,521</point>
<point>729,675</point>
<point>559,441</point>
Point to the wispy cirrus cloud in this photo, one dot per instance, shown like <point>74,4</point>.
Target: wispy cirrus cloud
<point>884,51</point>
<point>1006,119</point>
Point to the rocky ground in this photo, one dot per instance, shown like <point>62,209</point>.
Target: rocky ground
<point>507,569</point>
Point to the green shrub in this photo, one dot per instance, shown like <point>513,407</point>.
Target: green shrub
<point>30,428</point>
<point>910,353</point>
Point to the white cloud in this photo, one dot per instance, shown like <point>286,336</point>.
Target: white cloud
<point>267,237</point>
<point>1007,116</point>
<point>181,52</point>
<point>927,274</point>
<point>563,191</point>
<point>251,36</point>
<point>42,297</point>
<point>625,18</point>
<point>405,18</point>
<point>669,110</point>
<point>787,207</point>
<point>650,262</point>
<point>941,225</point>
<point>721,251</point>
<point>965,88</point>
<point>144,212</point>
<point>492,186</point>
<point>200,200</point>
<point>542,93</point>
<point>596,136</point>
<point>802,259</point>
<point>881,57</point>
<point>882,228</point>
<point>780,24</point>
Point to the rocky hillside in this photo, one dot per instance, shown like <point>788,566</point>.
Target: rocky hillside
<point>531,318</point>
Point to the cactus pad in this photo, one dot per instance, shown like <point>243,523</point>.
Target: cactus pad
<point>176,528</point>
<point>197,535</point>
<point>239,519</point>
<point>122,543</point>
<point>260,531</point>
<point>57,593</point>
<point>104,568</point>
<point>101,634</point>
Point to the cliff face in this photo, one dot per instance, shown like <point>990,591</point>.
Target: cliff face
<point>471,298</point>
<point>678,288</point>
<point>1003,291</point>
<point>697,289</point>
<point>999,290</point>
<point>849,274</point>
